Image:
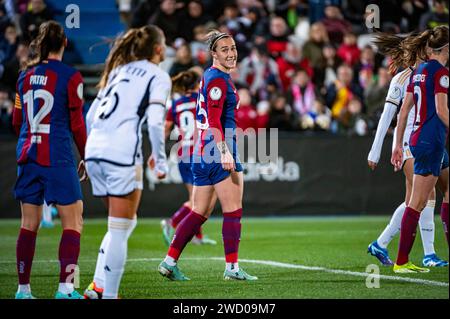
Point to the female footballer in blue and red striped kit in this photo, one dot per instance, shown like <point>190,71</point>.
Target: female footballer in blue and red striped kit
<point>427,91</point>
<point>182,115</point>
<point>47,113</point>
<point>216,166</point>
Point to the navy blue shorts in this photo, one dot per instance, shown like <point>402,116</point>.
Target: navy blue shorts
<point>211,173</point>
<point>186,172</point>
<point>57,185</point>
<point>427,160</point>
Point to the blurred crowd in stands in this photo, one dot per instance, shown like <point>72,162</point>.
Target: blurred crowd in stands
<point>303,65</point>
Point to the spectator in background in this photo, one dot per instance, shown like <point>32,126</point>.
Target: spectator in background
<point>253,23</point>
<point>302,94</point>
<point>199,49</point>
<point>317,9</point>
<point>278,37</point>
<point>246,114</point>
<point>280,114</point>
<point>375,96</point>
<point>335,24</point>
<point>318,118</point>
<point>351,119</point>
<point>8,43</point>
<point>365,68</point>
<point>342,91</point>
<point>12,67</point>
<point>326,73</point>
<point>291,11</point>
<point>4,19</point>
<point>167,18</point>
<point>142,12</point>
<point>183,58</point>
<point>193,17</point>
<point>33,18</point>
<point>348,50</point>
<point>260,73</point>
<point>438,15</point>
<point>390,14</point>
<point>6,109</point>
<point>354,12</point>
<point>312,49</point>
<point>413,10</point>
<point>289,62</point>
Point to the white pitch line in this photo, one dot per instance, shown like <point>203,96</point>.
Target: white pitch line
<point>281,265</point>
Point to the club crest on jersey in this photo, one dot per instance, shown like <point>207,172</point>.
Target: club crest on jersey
<point>443,81</point>
<point>215,93</point>
<point>395,94</point>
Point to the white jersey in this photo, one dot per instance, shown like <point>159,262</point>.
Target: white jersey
<point>115,119</point>
<point>397,91</point>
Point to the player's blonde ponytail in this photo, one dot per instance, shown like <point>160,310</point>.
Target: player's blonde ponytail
<point>134,45</point>
<point>185,81</point>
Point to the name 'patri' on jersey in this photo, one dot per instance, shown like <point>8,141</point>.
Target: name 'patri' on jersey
<point>117,114</point>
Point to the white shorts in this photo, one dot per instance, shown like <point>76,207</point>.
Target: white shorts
<point>112,180</point>
<point>406,151</point>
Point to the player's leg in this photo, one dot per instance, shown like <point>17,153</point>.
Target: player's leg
<point>26,243</point>
<point>422,186</point>
<point>378,248</point>
<point>200,238</point>
<point>229,192</point>
<point>168,226</point>
<point>95,289</point>
<point>188,227</point>
<point>69,248</point>
<point>121,222</point>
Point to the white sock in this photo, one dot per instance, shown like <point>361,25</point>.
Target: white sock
<point>116,255</point>
<point>65,288</point>
<point>232,266</point>
<point>426,224</point>
<point>392,228</point>
<point>170,261</point>
<point>24,288</point>
<point>133,223</point>
<point>47,213</point>
<point>99,276</point>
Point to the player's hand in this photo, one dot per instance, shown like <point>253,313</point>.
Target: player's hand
<point>151,162</point>
<point>372,165</point>
<point>227,162</point>
<point>82,174</point>
<point>397,158</point>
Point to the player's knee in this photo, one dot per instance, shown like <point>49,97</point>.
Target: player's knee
<point>31,224</point>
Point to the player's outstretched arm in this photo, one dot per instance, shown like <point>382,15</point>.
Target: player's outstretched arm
<point>382,128</point>
<point>155,123</point>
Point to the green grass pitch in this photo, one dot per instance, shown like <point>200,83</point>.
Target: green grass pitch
<point>282,252</point>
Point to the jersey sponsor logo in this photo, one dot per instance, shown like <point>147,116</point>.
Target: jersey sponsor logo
<point>443,81</point>
<point>419,78</point>
<point>395,93</point>
<point>215,93</point>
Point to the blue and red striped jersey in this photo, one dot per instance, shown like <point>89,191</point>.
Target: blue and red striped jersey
<point>182,114</point>
<point>216,106</point>
<point>48,110</point>
<point>429,79</point>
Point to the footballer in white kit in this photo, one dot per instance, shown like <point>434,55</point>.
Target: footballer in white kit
<point>114,145</point>
<point>397,90</point>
